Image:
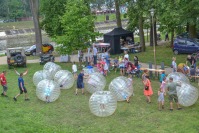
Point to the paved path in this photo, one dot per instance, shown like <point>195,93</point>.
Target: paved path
<point>3,60</point>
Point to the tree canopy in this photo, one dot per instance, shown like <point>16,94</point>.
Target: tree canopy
<point>78,27</point>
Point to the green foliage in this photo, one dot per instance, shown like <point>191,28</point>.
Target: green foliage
<point>14,9</point>
<point>78,27</point>
<point>51,10</point>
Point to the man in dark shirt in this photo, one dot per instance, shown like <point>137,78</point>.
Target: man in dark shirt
<point>191,60</point>
<point>80,83</point>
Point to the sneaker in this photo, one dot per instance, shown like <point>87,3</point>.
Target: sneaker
<point>5,96</point>
<point>2,94</point>
<point>171,109</point>
<point>162,106</point>
<point>15,99</point>
<point>179,109</point>
<point>27,99</point>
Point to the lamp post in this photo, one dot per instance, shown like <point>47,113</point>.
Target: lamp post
<point>152,11</point>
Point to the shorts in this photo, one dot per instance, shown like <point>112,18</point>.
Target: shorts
<point>21,91</point>
<point>80,85</point>
<point>5,88</point>
<point>173,97</point>
<point>161,97</point>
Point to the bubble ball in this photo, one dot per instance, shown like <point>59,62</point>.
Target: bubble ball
<point>64,78</point>
<point>187,94</point>
<point>48,90</point>
<point>177,76</point>
<point>102,103</point>
<point>95,82</point>
<point>40,75</point>
<point>89,70</point>
<point>52,68</point>
<point>121,87</point>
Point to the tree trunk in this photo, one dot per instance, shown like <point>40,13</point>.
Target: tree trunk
<point>151,33</point>
<point>34,4</point>
<point>192,31</point>
<point>155,33</point>
<point>118,18</point>
<point>172,37</point>
<point>141,33</point>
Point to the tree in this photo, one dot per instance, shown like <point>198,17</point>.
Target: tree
<point>137,9</point>
<point>78,27</point>
<point>117,13</point>
<point>52,10</point>
<point>35,13</point>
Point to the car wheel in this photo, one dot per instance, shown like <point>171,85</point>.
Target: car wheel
<point>19,58</point>
<point>33,53</point>
<point>176,52</point>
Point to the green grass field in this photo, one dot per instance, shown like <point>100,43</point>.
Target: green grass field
<point>71,114</point>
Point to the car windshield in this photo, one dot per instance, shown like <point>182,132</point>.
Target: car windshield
<point>33,47</point>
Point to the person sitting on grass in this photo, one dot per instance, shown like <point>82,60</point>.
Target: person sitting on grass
<point>22,88</point>
<point>172,92</point>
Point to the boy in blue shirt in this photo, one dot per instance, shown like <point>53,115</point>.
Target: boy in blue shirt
<point>22,88</point>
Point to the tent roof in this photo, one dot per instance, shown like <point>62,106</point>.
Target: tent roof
<point>118,31</point>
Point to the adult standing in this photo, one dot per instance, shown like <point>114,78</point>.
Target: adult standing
<point>167,37</point>
<point>80,82</point>
<point>172,92</point>
<point>88,54</point>
<point>191,60</point>
<point>22,88</point>
<point>136,61</point>
<point>107,57</point>
<point>3,83</point>
<point>148,92</point>
<point>95,55</point>
<point>174,65</point>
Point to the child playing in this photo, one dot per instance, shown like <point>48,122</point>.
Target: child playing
<point>162,75</point>
<point>115,61</point>
<point>74,70</point>
<point>80,83</point>
<point>129,69</point>
<point>161,93</point>
<point>105,69</point>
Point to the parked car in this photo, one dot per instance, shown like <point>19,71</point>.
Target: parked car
<point>186,35</point>
<point>46,58</point>
<point>185,45</point>
<point>16,57</point>
<point>46,48</point>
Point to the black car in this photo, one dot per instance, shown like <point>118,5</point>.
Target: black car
<point>46,48</point>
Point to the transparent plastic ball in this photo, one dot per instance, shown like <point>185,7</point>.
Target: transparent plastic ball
<point>40,75</point>
<point>48,90</point>
<point>95,82</point>
<point>121,87</point>
<point>187,94</point>
<point>102,103</point>
<point>52,68</point>
<point>178,76</point>
<point>89,70</point>
<point>64,78</point>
